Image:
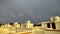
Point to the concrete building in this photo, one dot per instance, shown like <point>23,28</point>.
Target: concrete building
<point>16,25</point>
<point>29,24</point>
<point>47,27</point>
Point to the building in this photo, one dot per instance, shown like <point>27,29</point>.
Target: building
<point>48,27</point>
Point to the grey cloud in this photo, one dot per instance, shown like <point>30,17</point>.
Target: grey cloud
<point>34,10</point>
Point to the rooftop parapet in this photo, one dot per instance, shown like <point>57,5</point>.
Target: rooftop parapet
<point>56,18</point>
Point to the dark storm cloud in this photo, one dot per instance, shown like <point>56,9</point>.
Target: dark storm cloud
<point>34,10</point>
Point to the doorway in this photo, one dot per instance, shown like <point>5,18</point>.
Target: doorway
<point>53,26</point>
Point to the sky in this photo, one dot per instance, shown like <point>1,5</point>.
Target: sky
<point>23,10</point>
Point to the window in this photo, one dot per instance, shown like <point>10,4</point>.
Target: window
<point>48,25</point>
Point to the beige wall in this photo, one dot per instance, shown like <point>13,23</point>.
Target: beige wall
<point>44,25</point>
<point>29,25</point>
<point>4,30</point>
<point>52,32</point>
<point>58,26</point>
<point>38,31</point>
